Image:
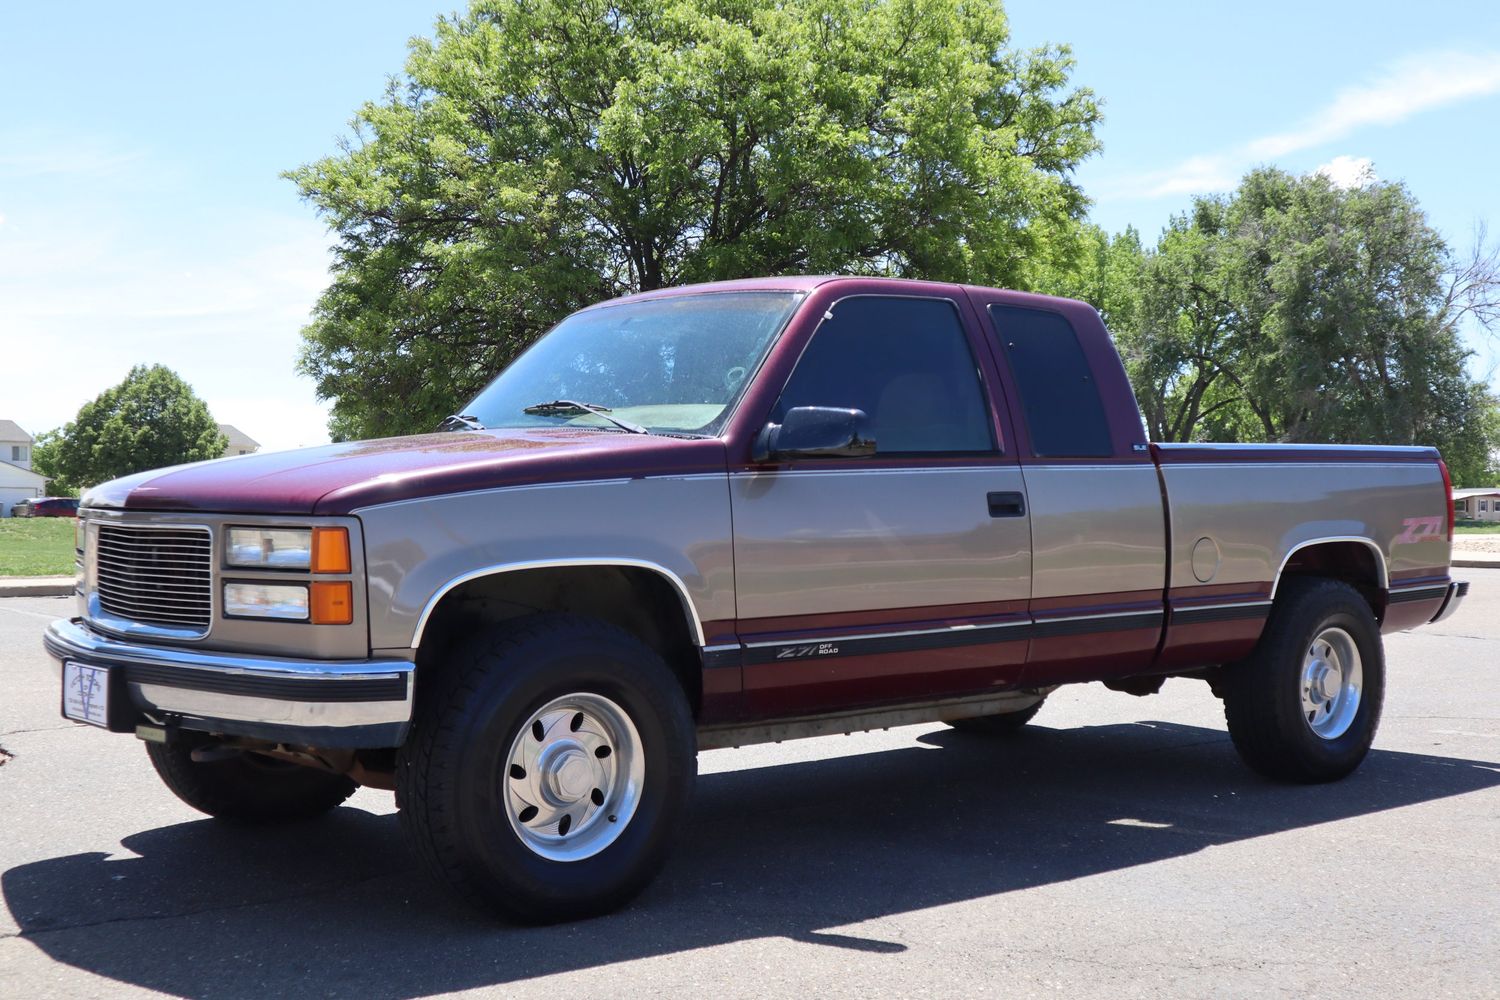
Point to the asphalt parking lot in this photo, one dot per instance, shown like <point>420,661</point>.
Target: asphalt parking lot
<point>1117,849</point>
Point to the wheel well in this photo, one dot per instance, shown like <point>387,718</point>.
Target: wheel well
<point>641,602</point>
<point>1352,562</point>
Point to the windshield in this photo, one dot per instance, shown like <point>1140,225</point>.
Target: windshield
<point>675,364</point>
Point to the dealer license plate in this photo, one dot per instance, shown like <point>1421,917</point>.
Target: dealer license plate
<point>86,693</point>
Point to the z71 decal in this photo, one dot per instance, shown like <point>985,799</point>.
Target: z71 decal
<point>797,652</point>
<point>1419,529</point>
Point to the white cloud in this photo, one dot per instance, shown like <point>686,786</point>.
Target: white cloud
<point>1349,171</point>
<point>124,274</point>
<point>1404,89</point>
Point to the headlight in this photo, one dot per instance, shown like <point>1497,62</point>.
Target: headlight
<point>271,548</point>
<point>287,602</point>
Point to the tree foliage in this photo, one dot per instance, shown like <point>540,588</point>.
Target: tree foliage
<point>543,154</point>
<point>151,419</point>
<point>1296,310</point>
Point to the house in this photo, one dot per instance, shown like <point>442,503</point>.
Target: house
<point>1477,504</point>
<point>17,481</point>
<point>240,443</point>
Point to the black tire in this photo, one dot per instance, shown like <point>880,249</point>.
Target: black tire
<point>1263,695</point>
<point>455,760</point>
<point>247,788</point>
<point>1003,724</point>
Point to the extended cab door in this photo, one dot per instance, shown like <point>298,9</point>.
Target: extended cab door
<point>1097,516</point>
<point>900,576</point>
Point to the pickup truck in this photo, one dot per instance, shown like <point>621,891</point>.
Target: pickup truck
<point>720,515</point>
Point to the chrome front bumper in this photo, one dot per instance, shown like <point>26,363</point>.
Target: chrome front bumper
<point>323,703</point>
<point>1457,591</point>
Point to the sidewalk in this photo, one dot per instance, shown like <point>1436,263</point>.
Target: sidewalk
<point>1475,559</point>
<point>36,586</point>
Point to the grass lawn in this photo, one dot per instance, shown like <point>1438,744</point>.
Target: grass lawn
<point>1476,528</point>
<point>36,546</point>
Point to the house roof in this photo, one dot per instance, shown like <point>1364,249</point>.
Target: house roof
<point>1482,492</point>
<point>238,438</point>
<point>14,475</point>
<point>11,431</point>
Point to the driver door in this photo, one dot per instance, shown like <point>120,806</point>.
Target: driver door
<point>899,577</point>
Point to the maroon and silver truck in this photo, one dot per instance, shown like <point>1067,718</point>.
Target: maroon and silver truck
<point>722,515</point>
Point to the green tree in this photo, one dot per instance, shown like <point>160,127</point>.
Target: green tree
<point>543,154</point>
<point>1295,310</point>
<point>151,419</point>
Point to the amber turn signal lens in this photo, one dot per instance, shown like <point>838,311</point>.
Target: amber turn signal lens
<point>332,603</point>
<point>330,550</point>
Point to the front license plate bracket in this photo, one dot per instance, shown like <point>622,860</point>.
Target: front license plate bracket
<point>86,693</point>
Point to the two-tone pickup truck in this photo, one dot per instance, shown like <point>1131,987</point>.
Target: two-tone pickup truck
<point>720,515</point>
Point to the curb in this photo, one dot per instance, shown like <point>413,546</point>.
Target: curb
<point>1477,562</point>
<point>46,586</point>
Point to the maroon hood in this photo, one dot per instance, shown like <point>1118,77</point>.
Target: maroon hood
<point>338,478</point>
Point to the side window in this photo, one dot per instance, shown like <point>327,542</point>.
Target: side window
<point>907,364</point>
<point>1057,388</point>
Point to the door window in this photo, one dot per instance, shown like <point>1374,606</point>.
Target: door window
<point>906,363</point>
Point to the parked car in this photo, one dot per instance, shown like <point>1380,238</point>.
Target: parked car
<point>46,507</point>
<point>723,515</point>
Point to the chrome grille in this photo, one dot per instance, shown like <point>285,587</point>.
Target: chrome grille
<point>156,575</point>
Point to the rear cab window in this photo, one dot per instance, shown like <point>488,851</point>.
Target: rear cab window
<point>1058,393</point>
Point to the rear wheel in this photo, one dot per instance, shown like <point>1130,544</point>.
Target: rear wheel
<point>1002,724</point>
<point>245,787</point>
<point>548,769</point>
<point>1305,705</point>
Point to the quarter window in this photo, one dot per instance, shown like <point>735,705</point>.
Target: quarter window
<point>906,363</point>
<point>1057,388</point>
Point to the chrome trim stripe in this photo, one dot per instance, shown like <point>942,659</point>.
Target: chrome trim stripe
<point>1216,607</point>
<point>894,635</point>
<point>1000,463</point>
<point>689,608</point>
<point>1170,466</point>
<point>1411,449</point>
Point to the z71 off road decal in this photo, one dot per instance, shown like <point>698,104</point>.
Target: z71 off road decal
<point>797,652</point>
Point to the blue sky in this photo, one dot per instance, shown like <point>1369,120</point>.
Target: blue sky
<point>142,218</point>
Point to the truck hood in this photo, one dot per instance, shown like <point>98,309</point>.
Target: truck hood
<point>340,478</point>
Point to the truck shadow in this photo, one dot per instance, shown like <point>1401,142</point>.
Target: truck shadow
<point>338,908</point>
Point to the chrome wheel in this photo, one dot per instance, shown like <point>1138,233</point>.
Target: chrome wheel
<point>1332,682</point>
<point>573,777</point>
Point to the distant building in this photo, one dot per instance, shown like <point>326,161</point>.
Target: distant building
<point>240,443</point>
<point>1477,505</point>
<point>17,481</point>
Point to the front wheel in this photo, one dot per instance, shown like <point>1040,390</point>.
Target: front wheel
<point>1304,706</point>
<point>548,769</point>
<point>246,787</point>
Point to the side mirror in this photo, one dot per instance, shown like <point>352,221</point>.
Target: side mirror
<point>816,432</point>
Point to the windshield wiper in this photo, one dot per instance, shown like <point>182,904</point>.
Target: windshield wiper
<point>560,406</point>
<point>459,422</point>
